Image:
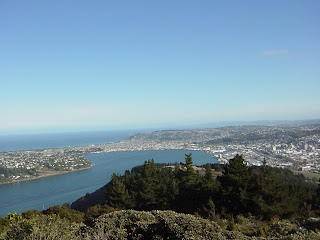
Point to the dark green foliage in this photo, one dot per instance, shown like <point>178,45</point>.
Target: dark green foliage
<point>156,187</point>
<point>271,194</point>
<point>282,194</point>
<point>30,214</point>
<point>17,171</point>
<point>65,212</point>
<point>189,162</point>
<point>4,223</point>
<point>245,195</point>
<point>215,166</point>
<point>260,191</point>
<point>96,211</point>
<point>209,186</point>
<point>9,172</point>
<point>118,196</point>
<point>155,225</point>
<point>90,199</point>
<point>316,201</point>
<point>148,187</point>
<point>130,224</point>
<point>236,185</point>
<point>38,226</point>
<point>189,188</point>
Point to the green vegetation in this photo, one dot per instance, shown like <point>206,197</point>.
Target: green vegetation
<point>263,192</point>
<point>5,173</point>
<point>312,177</point>
<point>27,165</point>
<point>38,226</point>
<point>241,203</point>
<point>156,224</point>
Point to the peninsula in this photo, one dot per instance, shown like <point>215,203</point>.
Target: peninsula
<point>297,148</point>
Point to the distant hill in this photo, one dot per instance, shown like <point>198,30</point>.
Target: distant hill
<point>282,123</point>
<point>289,131</point>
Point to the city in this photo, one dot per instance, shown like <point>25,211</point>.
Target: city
<point>296,148</point>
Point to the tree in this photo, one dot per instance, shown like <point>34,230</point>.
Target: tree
<point>188,176</point>
<point>316,200</point>
<point>270,193</point>
<point>39,226</point>
<point>65,212</point>
<point>96,211</point>
<point>148,186</point>
<point>235,181</point>
<point>209,189</point>
<point>117,194</point>
<point>188,164</point>
<point>189,187</point>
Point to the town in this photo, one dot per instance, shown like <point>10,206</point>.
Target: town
<point>296,148</point>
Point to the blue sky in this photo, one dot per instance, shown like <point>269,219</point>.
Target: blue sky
<point>85,65</point>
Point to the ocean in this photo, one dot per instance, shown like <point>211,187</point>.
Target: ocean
<point>56,140</point>
<point>42,193</point>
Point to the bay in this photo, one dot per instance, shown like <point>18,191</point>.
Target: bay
<point>45,192</point>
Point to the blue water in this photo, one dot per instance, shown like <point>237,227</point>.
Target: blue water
<point>43,141</point>
<point>45,192</point>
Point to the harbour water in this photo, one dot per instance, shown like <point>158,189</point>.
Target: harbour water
<point>45,192</point>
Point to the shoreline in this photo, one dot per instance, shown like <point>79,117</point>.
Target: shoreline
<point>108,147</point>
<point>48,174</point>
<point>55,173</point>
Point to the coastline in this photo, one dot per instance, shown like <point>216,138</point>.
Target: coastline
<point>55,173</point>
<point>43,193</point>
<point>47,174</point>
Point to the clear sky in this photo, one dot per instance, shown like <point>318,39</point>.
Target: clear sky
<point>85,65</point>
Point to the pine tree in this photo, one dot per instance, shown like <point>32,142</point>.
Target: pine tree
<point>117,194</point>
<point>316,200</point>
<point>208,174</point>
<point>188,164</point>
<point>173,192</point>
<point>189,187</point>
<point>209,183</point>
<point>188,177</point>
<point>271,197</point>
<point>235,182</point>
<point>148,186</point>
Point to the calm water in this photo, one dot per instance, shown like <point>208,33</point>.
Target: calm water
<point>43,141</point>
<point>46,192</point>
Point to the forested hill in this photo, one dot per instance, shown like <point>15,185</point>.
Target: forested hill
<point>264,192</point>
<point>243,202</point>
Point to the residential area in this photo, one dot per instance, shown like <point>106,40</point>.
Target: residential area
<point>297,148</point>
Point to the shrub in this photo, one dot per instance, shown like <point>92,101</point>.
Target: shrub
<point>39,227</point>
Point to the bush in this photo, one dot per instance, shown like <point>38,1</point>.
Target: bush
<point>39,227</point>
<point>156,224</point>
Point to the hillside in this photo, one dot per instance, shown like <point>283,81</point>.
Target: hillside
<point>156,224</point>
<point>130,224</point>
<point>156,202</point>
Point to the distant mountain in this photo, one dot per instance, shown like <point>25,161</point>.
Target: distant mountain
<point>282,123</point>
<point>287,131</point>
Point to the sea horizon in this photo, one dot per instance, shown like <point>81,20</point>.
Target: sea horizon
<point>23,142</point>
